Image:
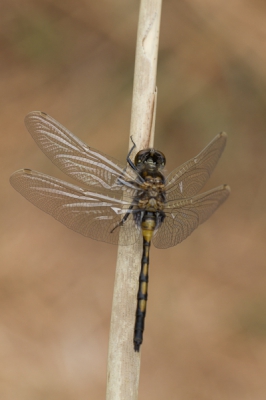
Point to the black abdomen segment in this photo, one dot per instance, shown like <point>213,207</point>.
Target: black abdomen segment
<point>148,225</point>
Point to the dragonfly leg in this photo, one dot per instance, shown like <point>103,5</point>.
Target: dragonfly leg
<point>123,220</point>
<point>130,162</point>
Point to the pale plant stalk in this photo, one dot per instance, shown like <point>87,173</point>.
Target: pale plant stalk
<point>123,362</point>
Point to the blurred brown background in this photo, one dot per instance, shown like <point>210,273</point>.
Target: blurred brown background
<point>206,323</point>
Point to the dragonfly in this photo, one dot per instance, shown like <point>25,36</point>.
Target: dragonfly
<point>121,204</point>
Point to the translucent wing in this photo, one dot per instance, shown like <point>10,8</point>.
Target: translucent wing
<point>91,214</point>
<point>188,179</point>
<point>182,217</point>
<point>74,157</point>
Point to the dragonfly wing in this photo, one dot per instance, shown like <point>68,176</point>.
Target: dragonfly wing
<point>92,214</point>
<point>188,179</point>
<point>184,216</point>
<point>74,157</point>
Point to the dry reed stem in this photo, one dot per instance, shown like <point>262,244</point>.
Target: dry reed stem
<point>123,362</point>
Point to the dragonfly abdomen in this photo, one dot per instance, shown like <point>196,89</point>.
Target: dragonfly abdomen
<point>148,225</point>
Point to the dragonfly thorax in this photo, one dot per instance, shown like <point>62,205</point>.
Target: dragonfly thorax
<point>153,179</point>
<point>153,196</point>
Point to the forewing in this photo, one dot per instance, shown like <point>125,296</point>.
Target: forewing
<point>74,157</point>
<point>88,213</point>
<point>188,179</point>
<point>184,216</point>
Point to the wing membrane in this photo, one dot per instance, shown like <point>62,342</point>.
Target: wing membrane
<point>184,216</point>
<point>113,193</point>
<point>188,179</point>
<point>74,157</point>
<point>91,214</point>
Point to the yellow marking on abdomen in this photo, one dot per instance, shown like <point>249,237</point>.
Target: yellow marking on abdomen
<point>145,268</point>
<point>142,305</point>
<point>144,286</point>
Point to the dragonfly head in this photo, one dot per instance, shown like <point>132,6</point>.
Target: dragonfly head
<point>150,157</point>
